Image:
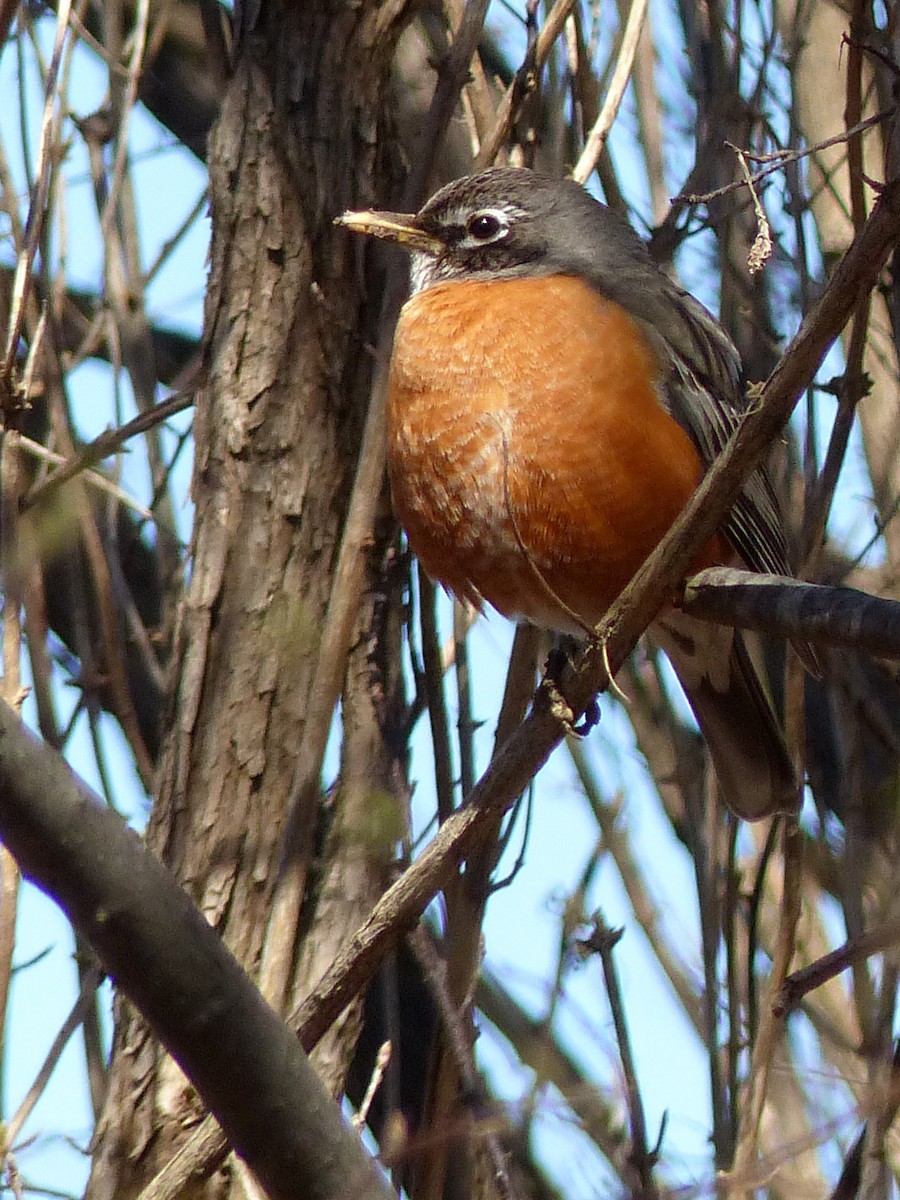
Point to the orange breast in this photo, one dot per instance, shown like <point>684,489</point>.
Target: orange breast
<point>525,437</point>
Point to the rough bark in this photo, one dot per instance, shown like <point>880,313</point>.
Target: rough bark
<point>277,429</point>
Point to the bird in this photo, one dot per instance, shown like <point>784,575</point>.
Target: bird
<point>554,399</point>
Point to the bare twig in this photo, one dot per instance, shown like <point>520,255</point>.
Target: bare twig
<point>464,722</point>
<point>617,85</point>
<point>602,940</point>
<point>37,209</point>
<point>872,941</point>
<point>382,1060</point>
<point>646,910</point>
<point>94,478</point>
<point>103,446</point>
<point>517,92</point>
<point>779,159</point>
<point>771,1023</point>
<point>433,675</point>
<point>48,1066</point>
<point>435,971</point>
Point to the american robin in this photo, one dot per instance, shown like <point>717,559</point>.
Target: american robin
<point>554,400</point>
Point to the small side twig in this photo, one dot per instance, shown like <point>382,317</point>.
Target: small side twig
<point>103,446</point>
<point>79,1010</point>
<point>624,63</point>
<point>516,94</point>
<point>35,223</point>
<point>797,984</point>
<point>435,972</point>
<point>602,941</point>
<point>761,250</point>
<point>778,159</point>
<point>771,1024</point>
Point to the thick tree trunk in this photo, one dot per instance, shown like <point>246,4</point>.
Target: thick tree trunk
<point>277,432</point>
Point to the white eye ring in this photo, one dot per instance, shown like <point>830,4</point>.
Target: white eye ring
<point>487,225</point>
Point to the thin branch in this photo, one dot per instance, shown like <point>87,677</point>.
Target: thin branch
<point>518,91</point>
<point>799,983</point>
<point>434,970</point>
<point>78,1013</point>
<point>781,159</point>
<point>617,844</point>
<point>464,723</point>
<point>94,478</point>
<point>37,210</point>
<point>771,1025</point>
<point>624,63</point>
<point>602,940</point>
<point>433,678</point>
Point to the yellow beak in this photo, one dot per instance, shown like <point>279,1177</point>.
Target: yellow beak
<point>394,227</point>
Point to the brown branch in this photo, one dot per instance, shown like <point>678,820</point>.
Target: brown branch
<point>771,1024</point>
<point>47,163</point>
<point>781,159</point>
<point>77,1015</point>
<point>798,983</point>
<point>454,1028</point>
<point>830,616</point>
<point>518,91</point>
<point>552,1063</point>
<point>596,139</point>
<point>167,959</point>
<point>106,444</point>
<point>436,701</point>
<point>617,844</point>
<point>602,940</point>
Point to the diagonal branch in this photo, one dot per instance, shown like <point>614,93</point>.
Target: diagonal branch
<point>165,956</point>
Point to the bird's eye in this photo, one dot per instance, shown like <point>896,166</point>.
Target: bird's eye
<point>484,226</point>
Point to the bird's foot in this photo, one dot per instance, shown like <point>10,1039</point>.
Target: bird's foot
<point>558,666</point>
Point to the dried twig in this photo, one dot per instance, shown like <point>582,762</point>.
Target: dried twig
<point>602,940</point>
<point>799,983</point>
<point>597,137</point>
<point>47,147</point>
<point>517,92</point>
<point>779,159</point>
<point>104,445</point>
<point>761,250</point>
<point>771,1023</point>
<point>79,1010</point>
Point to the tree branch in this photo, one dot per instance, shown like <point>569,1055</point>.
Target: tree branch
<point>833,616</point>
<point>240,1056</point>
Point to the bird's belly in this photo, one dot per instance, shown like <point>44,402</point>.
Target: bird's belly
<point>531,462</point>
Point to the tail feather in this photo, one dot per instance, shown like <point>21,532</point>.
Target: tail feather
<point>735,715</point>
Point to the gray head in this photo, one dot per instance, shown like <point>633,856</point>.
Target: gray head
<point>509,222</point>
